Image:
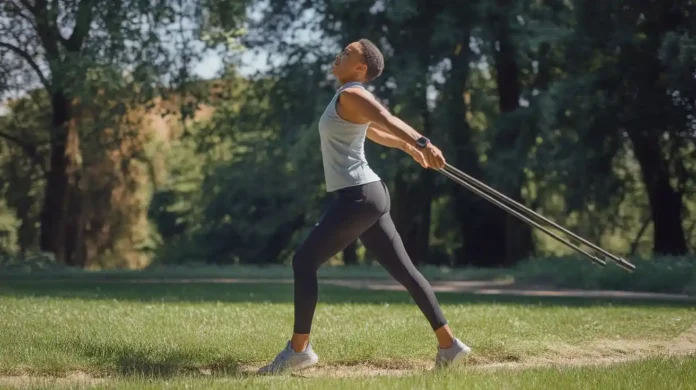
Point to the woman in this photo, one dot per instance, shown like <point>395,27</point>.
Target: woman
<point>361,208</point>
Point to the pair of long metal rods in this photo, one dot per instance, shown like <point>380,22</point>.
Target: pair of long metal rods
<point>480,189</point>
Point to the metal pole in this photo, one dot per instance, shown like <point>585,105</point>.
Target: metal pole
<point>464,177</point>
<point>520,216</point>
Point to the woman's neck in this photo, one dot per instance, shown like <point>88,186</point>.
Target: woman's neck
<point>348,81</point>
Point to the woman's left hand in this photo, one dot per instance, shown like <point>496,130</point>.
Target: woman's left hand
<point>417,155</point>
<point>434,157</point>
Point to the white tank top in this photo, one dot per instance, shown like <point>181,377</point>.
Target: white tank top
<point>343,148</point>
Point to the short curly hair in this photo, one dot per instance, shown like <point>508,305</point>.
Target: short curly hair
<point>373,59</point>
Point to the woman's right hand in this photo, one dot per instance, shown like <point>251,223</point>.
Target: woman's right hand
<point>434,157</point>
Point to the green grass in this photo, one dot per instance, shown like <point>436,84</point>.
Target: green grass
<point>150,334</point>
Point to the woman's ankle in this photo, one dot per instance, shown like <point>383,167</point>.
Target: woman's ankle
<point>299,342</point>
<point>445,338</point>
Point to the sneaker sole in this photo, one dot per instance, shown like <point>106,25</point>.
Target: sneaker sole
<point>299,367</point>
<point>457,359</point>
<point>306,364</point>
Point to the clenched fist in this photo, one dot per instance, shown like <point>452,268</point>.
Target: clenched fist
<point>428,157</point>
<point>434,157</point>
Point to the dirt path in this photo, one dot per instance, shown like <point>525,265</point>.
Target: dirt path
<point>597,353</point>
<point>478,287</point>
<point>71,380</point>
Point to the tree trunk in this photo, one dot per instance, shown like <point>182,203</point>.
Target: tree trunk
<point>280,239</point>
<point>54,214</point>
<point>76,241</point>
<point>517,239</point>
<point>417,218</point>
<point>666,204</point>
<point>59,226</point>
<point>424,199</point>
<point>408,217</point>
<point>350,257</point>
<point>412,214</point>
<point>415,205</point>
<point>481,224</point>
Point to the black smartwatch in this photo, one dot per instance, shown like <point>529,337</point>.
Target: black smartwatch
<point>422,142</point>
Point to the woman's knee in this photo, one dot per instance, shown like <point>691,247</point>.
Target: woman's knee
<point>302,263</point>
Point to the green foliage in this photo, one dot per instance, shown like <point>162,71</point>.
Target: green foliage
<point>660,274</point>
<point>560,149</point>
<point>678,54</point>
<point>30,262</point>
<point>176,205</point>
<point>615,139</point>
<point>23,150</point>
<point>8,230</point>
<point>582,110</point>
<point>103,66</point>
<point>242,182</point>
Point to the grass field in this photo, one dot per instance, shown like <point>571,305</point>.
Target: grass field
<point>197,335</point>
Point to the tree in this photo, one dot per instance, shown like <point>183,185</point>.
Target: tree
<point>631,99</point>
<point>22,165</point>
<point>77,49</point>
<point>515,40</point>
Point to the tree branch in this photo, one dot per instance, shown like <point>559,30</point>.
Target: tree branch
<point>29,60</point>
<point>27,5</point>
<point>634,244</point>
<point>20,12</point>
<point>30,150</point>
<point>16,140</point>
<point>46,28</point>
<point>83,21</point>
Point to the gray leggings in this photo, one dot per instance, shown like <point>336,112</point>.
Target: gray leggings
<point>358,212</point>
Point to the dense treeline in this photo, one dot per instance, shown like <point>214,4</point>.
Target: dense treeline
<point>115,154</point>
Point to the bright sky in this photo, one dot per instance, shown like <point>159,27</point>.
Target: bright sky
<point>211,64</point>
<point>209,67</point>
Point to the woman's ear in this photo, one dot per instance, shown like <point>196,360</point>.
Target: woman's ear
<point>362,68</point>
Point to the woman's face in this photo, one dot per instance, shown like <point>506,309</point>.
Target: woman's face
<point>349,64</point>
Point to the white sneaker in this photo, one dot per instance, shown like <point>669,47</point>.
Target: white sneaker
<point>451,355</point>
<point>289,360</point>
